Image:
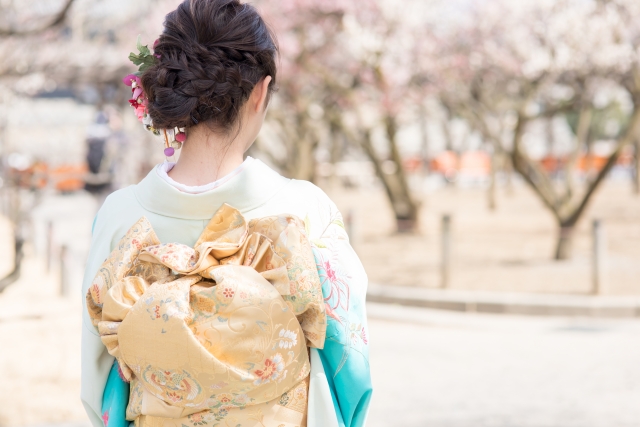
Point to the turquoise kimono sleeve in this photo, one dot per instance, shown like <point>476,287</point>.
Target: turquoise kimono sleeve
<point>345,356</point>
<point>115,400</point>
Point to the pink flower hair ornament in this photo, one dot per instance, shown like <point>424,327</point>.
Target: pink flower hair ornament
<point>144,59</point>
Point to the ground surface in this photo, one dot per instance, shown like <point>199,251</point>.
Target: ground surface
<point>509,249</point>
<point>445,369</point>
<point>40,356</point>
<point>40,329</point>
<point>430,368</point>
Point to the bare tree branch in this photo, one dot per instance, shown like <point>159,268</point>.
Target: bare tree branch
<point>57,20</point>
<point>628,137</point>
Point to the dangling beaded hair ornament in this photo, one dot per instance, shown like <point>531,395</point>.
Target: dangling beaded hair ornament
<point>145,59</point>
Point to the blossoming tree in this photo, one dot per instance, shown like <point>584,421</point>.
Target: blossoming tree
<point>348,72</point>
<point>514,65</point>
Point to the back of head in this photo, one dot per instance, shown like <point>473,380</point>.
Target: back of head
<point>210,56</point>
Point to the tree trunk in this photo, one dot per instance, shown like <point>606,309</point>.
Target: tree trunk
<point>567,211</point>
<point>583,126</point>
<point>507,169</point>
<point>300,142</point>
<point>446,130</point>
<point>491,191</point>
<point>395,184</point>
<point>404,207</point>
<point>424,133</point>
<point>304,165</point>
<point>335,155</point>
<point>564,245</point>
<point>551,137</point>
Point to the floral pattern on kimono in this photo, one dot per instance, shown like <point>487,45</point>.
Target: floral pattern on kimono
<point>214,333</point>
<point>345,355</point>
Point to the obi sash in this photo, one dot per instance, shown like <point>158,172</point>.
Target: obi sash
<point>217,333</point>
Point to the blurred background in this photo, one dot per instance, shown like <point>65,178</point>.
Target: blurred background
<point>485,155</point>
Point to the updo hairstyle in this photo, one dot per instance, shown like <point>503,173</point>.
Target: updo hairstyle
<point>210,56</point>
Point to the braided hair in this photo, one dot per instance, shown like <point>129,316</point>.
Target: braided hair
<point>210,56</point>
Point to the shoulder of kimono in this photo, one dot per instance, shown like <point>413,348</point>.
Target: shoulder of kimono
<point>315,198</point>
<point>118,200</point>
<point>114,216</point>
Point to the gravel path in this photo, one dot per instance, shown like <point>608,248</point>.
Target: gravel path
<point>444,369</point>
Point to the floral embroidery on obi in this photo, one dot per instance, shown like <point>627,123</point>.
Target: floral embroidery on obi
<point>214,332</point>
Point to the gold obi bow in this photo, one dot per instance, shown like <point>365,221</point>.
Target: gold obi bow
<point>231,317</point>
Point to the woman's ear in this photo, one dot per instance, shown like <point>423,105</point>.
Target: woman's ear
<point>261,91</point>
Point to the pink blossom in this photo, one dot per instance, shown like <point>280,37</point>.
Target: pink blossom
<point>130,78</point>
<point>137,92</point>
<point>331,313</point>
<point>331,274</point>
<point>141,110</point>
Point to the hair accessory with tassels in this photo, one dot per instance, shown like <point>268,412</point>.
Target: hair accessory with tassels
<point>144,59</point>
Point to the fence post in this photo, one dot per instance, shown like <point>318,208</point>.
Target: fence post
<point>49,245</point>
<point>64,279</point>
<point>15,206</point>
<point>445,267</point>
<point>599,258</point>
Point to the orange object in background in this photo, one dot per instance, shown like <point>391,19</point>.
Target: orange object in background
<point>588,163</point>
<point>412,164</point>
<point>33,177</point>
<point>475,164</point>
<point>445,162</point>
<point>39,171</point>
<point>39,175</point>
<point>552,164</point>
<point>585,163</point>
<point>478,163</point>
<point>470,163</point>
<point>68,178</point>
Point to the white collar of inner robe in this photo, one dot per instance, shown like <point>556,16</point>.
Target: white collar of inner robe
<point>164,168</point>
<point>247,189</point>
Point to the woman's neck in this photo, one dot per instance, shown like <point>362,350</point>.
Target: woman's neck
<point>206,157</point>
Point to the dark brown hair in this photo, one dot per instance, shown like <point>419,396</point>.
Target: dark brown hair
<point>210,56</point>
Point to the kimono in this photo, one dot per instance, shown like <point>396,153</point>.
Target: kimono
<point>326,359</point>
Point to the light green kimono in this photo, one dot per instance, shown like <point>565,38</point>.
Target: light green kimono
<point>256,191</point>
